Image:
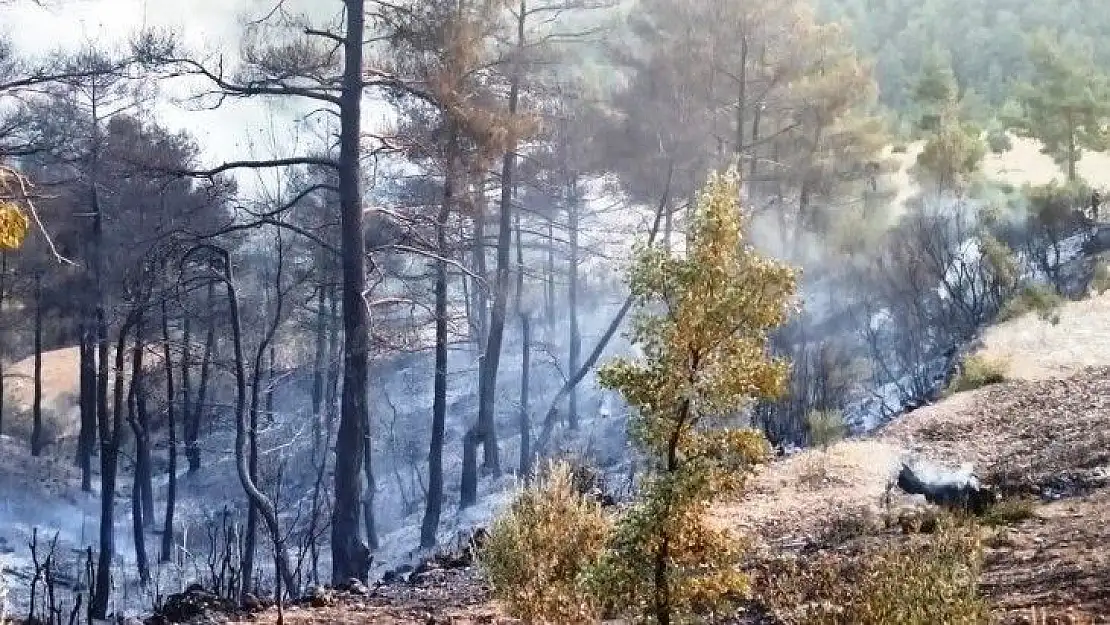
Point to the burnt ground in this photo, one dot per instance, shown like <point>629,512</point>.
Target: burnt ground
<point>1044,439</point>
<point>447,596</point>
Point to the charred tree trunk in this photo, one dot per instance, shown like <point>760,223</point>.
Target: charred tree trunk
<point>36,403</point>
<point>549,274</point>
<point>142,443</point>
<point>139,518</point>
<point>350,556</point>
<point>250,544</point>
<point>572,297</point>
<point>191,427</point>
<point>3,327</point>
<point>256,497</point>
<point>86,439</point>
<point>433,506</point>
<point>196,408</point>
<point>111,435</point>
<point>523,420</point>
<point>319,374</point>
<point>166,554</point>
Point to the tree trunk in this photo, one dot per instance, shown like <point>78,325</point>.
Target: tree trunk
<point>433,507</point>
<point>487,408</point>
<point>318,375</point>
<point>572,298</point>
<point>350,556</point>
<point>741,100</point>
<point>192,428</point>
<point>110,435</point>
<point>141,473</point>
<point>142,444</point>
<point>171,431</point>
<point>549,274</point>
<point>256,497</point>
<point>36,403</point>
<point>86,439</point>
<point>250,545</point>
<point>196,408</point>
<point>3,327</point>
<point>525,358</point>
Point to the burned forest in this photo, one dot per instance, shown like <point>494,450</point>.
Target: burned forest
<point>553,311</point>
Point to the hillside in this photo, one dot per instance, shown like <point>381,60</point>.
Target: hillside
<point>1044,434</point>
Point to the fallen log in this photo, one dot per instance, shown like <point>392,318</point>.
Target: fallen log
<point>953,491</point>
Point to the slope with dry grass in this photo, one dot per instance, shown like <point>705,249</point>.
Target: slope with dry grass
<point>1044,435</point>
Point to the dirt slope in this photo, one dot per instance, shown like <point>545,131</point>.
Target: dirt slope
<point>1044,434</point>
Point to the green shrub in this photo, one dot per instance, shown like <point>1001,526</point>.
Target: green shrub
<point>1039,298</point>
<point>999,141</point>
<point>978,372</point>
<point>899,148</point>
<point>825,427</point>
<point>540,547</point>
<point>925,579</point>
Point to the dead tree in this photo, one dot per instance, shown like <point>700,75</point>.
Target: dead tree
<point>221,264</point>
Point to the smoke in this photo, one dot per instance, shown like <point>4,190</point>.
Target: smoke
<point>938,475</point>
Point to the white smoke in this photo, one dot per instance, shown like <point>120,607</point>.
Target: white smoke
<point>938,475</point>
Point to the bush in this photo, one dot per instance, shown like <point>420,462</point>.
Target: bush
<point>1008,512</point>
<point>999,141</point>
<point>923,580</point>
<point>538,550</point>
<point>899,148</point>
<point>978,372</point>
<point>1039,298</point>
<point>825,427</point>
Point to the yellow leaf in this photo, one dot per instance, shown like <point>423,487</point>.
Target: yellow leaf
<point>13,226</point>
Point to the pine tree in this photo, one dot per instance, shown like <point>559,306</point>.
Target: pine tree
<point>953,150</point>
<point>702,325</point>
<point>1064,106</point>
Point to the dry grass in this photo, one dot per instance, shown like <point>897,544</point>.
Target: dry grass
<point>920,580</point>
<point>59,394</point>
<point>1022,164</point>
<point>1036,349</point>
<point>979,371</point>
<point>797,496</point>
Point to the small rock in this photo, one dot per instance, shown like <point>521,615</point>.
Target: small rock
<point>355,587</point>
<point>251,603</point>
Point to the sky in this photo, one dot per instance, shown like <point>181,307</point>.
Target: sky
<point>240,128</point>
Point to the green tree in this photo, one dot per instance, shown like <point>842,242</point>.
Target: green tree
<point>953,149</point>
<point>1064,104</point>
<point>702,324</point>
